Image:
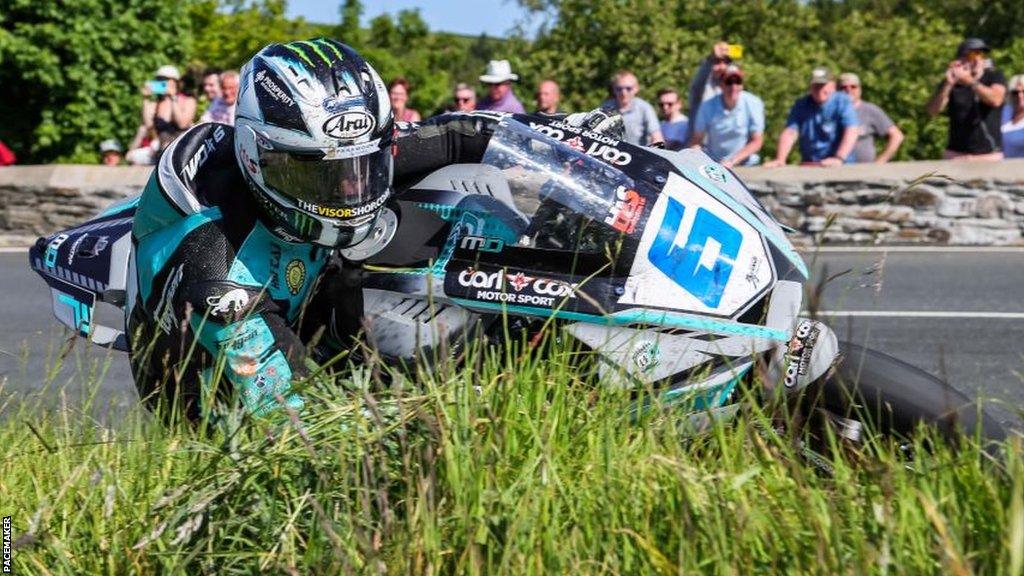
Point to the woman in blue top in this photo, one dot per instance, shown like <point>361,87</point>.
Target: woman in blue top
<point>1013,119</point>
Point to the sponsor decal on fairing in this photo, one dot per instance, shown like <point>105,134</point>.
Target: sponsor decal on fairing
<point>646,356</point>
<point>482,243</point>
<point>601,147</point>
<point>515,288</point>
<point>697,255</point>
<point>626,211</point>
<point>714,172</point>
<point>798,355</point>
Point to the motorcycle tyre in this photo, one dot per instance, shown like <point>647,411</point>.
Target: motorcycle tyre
<point>894,398</point>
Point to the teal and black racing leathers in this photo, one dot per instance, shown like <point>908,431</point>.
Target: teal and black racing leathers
<point>217,291</point>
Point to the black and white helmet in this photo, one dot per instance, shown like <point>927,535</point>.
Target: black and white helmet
<point>313,135</point>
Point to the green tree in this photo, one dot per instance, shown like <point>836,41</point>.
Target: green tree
<point>71,70</point>
<point>228,32</point>
<point>899,54</point>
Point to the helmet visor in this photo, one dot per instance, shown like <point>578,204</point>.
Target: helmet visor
<point>330,188</point>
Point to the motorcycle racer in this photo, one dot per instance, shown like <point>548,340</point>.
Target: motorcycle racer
<point>237,224</point>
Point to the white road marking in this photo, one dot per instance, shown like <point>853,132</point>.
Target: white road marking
<point>932,249</point>
<point>14,250</point>
<point>920,314</point>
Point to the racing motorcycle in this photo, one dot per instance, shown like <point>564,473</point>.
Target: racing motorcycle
<point>662,263</point>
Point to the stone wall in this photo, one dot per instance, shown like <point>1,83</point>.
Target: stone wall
<point>39,200</point>
<point>956,203</point>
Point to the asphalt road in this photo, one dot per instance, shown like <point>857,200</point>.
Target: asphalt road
<point>957,313</point>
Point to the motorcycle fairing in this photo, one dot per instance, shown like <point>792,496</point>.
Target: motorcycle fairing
<point>698,257</point>
<point>85,265</point>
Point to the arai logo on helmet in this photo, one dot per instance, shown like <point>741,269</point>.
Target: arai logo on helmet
<point>350,125</point>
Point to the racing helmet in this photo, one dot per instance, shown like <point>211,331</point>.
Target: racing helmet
<point>313,135</point>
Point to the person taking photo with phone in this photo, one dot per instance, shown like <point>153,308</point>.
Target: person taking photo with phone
<point>166,113</point>
<point>707,82</point>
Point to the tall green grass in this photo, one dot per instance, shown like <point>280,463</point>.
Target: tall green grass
<point>508,463</point>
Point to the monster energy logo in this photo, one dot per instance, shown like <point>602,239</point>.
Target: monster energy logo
<point>303,224</point>
<point>317,47</point>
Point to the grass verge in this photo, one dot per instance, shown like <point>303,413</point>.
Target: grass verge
<point>505,465</point>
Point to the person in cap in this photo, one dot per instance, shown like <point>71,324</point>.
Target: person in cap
<point>498,78</point>
<point>111,152</point>
<point>707,82</point>
<point>1013,119</point>
<point>730,126</point>
<point>638,117</point>
<point>825,123</point>
<point>971,93</point>
<point>874,123</point>
<point>166,113</point>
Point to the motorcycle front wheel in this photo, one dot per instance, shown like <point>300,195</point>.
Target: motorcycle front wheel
<point>871,391</point>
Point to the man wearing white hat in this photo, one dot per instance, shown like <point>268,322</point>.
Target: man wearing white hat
<point>498,78</point>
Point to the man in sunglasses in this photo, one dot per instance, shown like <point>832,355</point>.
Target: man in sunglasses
<point>638,117</point>
<point>674,124</point>
<point>498,79</point>
<point>972,94</point>
<point>874,122</point>
<point>730,126</point>
<point>824,122</point>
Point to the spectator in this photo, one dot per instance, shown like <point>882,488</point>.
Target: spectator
<point>6,156</point>
<point>166,113</point>
<point>824,121</point>
<point>974,91</point>
<point>1013,126</point>
<point>675,125</point>
<point>463,98</point>
<point>548,97</point>
<point>874,122</point>
<point>638,117</point>
<point>398,90</point>
<point>223,109</point>
<point>111,152</point>
<point>500,97</point>
<point>707,82</point>
<point>731,125</point>
<point>211,85</point>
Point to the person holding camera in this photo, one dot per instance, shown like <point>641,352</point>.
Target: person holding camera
<point>972,93</point>
<point>708,80</point>
<point>166,113</point>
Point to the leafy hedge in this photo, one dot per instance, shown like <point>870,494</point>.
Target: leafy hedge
<point>900,49</point>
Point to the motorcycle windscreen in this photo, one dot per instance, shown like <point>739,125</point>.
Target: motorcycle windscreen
<point>574,200</point>
<point>581,216</point>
